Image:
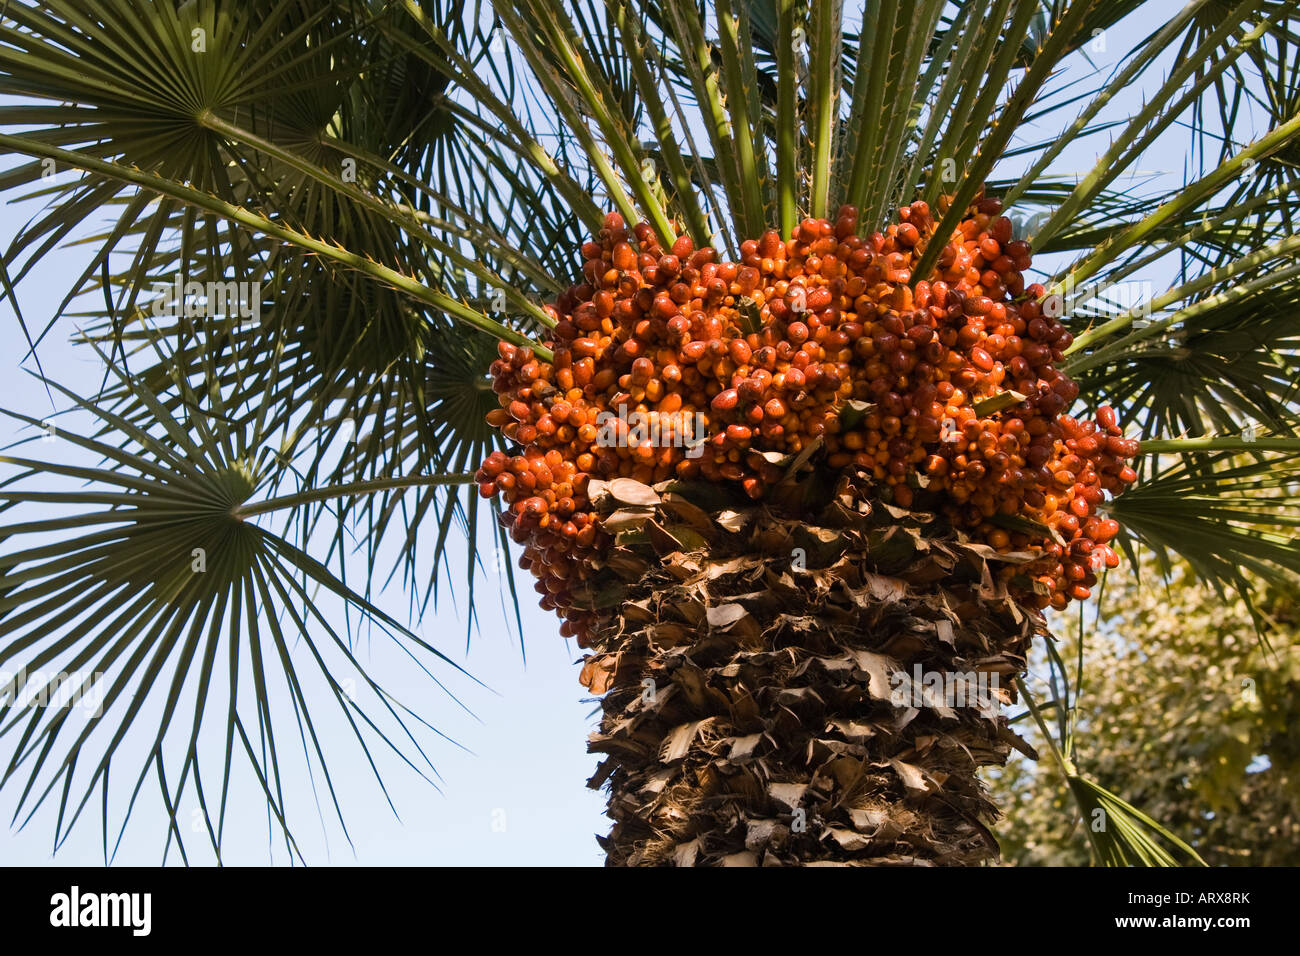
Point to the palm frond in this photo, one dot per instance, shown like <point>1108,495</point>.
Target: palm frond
<point>1120,834</point>
<point>167,609</point>
<point>1224,511</point>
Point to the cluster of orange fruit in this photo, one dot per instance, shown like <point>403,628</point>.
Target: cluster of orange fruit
<point>948,388</point>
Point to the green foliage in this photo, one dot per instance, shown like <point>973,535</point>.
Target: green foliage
<point>1185,714</point>
<point>169,609</point>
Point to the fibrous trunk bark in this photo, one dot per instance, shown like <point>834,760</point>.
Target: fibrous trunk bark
<point>792,687</point>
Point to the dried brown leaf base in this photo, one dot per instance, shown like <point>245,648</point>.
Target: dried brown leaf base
<point>785,685</point>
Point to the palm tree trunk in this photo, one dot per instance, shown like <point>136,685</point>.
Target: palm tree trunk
<point>771,682</point>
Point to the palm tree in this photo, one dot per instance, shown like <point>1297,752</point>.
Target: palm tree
<point>387,189</point>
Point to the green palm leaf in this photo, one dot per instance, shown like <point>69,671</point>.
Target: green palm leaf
<point>1120,834</point>
<point>1224,512</point>
<point>173,609</point>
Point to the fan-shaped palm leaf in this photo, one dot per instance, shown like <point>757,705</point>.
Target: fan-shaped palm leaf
<point>166,607</point>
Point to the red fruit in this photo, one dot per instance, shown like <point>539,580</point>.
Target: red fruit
<point>981,359</point>
<point>725,400</point>
<point>1107,529</point>
<point>653,330</point>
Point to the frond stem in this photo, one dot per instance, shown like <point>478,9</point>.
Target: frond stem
<point>352,490</point>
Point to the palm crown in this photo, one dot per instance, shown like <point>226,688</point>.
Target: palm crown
<point>403,185</point>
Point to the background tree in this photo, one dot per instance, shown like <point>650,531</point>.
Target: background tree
<point>1185,712</point>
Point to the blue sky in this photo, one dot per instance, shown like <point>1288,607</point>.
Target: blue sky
<point>516,793</point>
